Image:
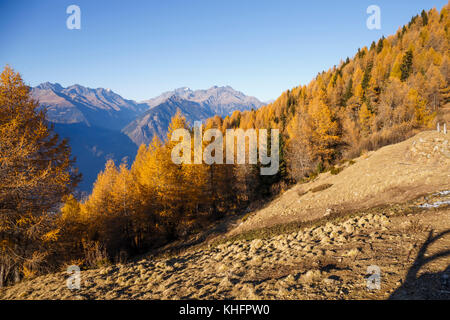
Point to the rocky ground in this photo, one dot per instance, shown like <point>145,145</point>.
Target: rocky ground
<point>329,259</point>
<point>388,210</point>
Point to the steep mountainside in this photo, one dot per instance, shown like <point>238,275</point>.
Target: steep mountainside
<point>323,259</point>
<point>381,95</point>
<point>91,119</point>
<point>93,146</point>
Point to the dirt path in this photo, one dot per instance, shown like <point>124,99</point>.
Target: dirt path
<point>393,174</point>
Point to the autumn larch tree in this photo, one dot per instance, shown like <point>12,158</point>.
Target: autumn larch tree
<point>36,172</point>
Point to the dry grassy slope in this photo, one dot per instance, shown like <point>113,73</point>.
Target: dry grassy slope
<point>393,174</point>
<point>327,260</point>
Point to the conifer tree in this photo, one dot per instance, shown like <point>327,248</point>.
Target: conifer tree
<point>424,18</point>
<point>406,66</point>
<point>36,173</point>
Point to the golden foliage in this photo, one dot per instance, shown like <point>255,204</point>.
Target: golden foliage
<point>380,96</point>
<point>35,174</point>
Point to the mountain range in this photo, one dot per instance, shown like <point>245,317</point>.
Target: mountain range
<point>194,105</point>
<point>100,124</point>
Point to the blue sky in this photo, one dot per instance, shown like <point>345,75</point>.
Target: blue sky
<point>142,48</point>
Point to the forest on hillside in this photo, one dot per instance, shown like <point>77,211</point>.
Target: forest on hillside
<point>384,94</point>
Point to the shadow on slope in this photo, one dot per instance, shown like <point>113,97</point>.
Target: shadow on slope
<point>427,285</point>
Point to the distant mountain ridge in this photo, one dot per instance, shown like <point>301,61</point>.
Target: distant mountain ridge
<point>221,100</point>
<point>156,120</point>
<point>100,124</point>
<point>194,105</point>
<point>103,108</point>
<point>94,107</point>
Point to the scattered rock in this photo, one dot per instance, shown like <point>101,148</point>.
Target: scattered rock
<point>310,276</point>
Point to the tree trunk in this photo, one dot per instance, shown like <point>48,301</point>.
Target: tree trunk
<point>2,275</point>
<point>16,275</point>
